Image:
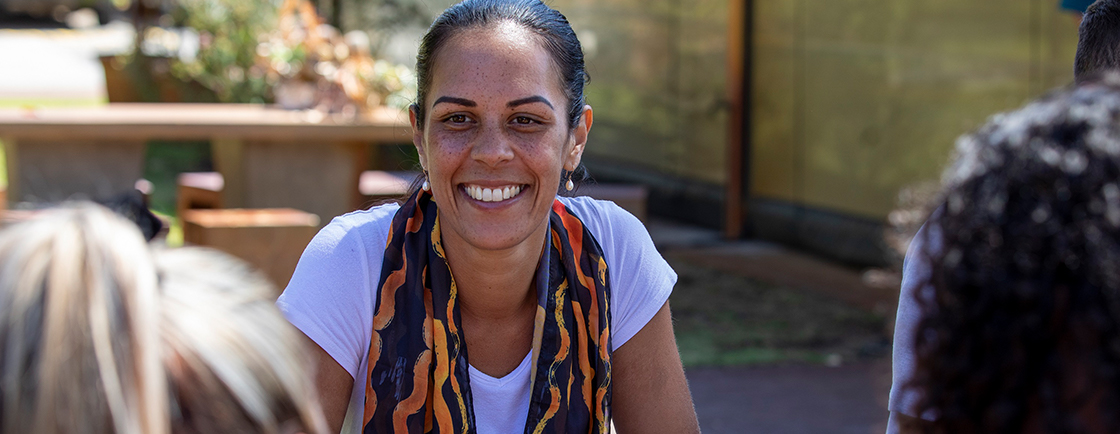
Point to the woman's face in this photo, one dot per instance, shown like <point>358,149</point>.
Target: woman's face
<point>496,136</point>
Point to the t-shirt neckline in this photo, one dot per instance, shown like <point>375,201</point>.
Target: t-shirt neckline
<point>506,379</point>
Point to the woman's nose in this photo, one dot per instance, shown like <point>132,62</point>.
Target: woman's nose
<point>492,147</point>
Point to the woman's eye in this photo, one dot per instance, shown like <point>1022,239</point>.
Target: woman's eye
<point>524,120</point>
<point>457,119</point>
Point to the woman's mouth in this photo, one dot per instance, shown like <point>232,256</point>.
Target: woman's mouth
<point>495,194</point>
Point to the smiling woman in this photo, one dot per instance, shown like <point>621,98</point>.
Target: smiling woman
<point>561,303</point>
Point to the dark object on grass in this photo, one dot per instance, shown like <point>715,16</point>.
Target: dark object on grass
<point>133,206</point>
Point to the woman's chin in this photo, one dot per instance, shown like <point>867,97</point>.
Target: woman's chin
<point>501,237</point>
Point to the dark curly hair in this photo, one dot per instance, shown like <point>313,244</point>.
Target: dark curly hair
<point>1020,328</point>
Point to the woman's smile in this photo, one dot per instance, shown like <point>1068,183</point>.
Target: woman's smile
<point>500,193</point>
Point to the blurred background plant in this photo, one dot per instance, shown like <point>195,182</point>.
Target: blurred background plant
<point>255,51</point>
<point>227,33</point>
<point>311,64</point>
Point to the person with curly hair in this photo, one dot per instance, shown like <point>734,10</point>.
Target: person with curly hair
<point>1020,304</point>
<point>1098,51</point>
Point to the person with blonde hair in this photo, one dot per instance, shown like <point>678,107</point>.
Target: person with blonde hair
<point>100,335</point>
<point>235,363</point>
<point>79,346</point>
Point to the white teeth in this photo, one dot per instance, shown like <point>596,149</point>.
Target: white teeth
<point>492,195</point>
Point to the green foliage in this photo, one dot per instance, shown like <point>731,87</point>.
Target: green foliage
<point>228,38</point>
<point>164,161</point>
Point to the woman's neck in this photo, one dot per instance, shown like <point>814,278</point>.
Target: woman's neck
<point>495,284</point>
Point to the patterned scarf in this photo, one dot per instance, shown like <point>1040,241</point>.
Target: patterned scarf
<point>417,376</point>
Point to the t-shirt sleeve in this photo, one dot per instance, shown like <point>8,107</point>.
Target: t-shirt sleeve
<point>329,297</point>
<point>641,280</point>
<point>915,272</point>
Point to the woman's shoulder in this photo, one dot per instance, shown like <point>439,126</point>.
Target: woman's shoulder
<point>603,217</point>
<point>375,216</point>
<point>363,224</point>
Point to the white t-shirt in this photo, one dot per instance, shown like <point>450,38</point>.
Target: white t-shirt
<point>915,273</point>
<point>332,293</point>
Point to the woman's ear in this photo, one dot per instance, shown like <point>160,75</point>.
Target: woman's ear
<point>418,134</point>
<point>579,136</point>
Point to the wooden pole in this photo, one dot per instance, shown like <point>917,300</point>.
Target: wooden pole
<point>738,85</point>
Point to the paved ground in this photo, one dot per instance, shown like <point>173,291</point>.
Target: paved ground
<point>793,399</point>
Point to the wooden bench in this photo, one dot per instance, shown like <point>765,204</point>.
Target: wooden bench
<point>203,190</point>
<point>378,186</point>
<point>631,197</point>
<point>270,239</point>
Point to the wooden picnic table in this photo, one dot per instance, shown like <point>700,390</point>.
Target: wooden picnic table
<point>269,157</point>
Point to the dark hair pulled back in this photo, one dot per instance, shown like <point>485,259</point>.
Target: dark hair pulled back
<point>1098,42</point>
<point>550,25</point>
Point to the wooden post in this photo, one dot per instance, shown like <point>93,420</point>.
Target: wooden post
<point>738,85</point>
<point>229,159</point>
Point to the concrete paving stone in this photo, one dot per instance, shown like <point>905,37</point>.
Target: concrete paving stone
<point>796,399</point>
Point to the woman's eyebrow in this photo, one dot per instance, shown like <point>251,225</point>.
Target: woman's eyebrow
<point>454,100</point>
<point>532,99</point>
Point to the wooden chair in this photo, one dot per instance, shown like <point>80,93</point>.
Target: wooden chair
<point>197,190</point>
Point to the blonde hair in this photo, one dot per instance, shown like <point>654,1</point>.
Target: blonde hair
<point>235,364</point>
<point>78,350</point>
<point>98,334</point>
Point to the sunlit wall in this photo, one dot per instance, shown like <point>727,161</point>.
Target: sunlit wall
<point>855,99</point>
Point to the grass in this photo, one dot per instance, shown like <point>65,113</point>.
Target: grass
<point>50,102</point>
<point>174,236</point>
<point>723,320</point>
